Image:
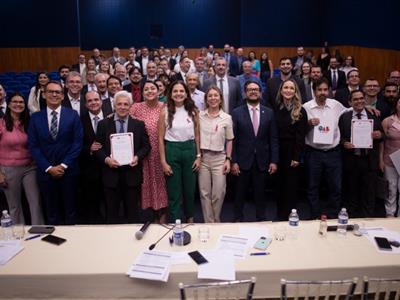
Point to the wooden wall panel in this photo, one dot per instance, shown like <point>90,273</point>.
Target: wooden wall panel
<point>371,62</point>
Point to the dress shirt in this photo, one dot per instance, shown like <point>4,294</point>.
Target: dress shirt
<point>91,87</point>
<point>250,108</point>
<point>75,104</point>
<point>363,113</point>
<point>50,116</point>
<point>183,76</point>
<point>112,103</point>
<point>198,98</point>
<point>225,87</point>
<point>3,106</point>
<point>82,68</point>
<point>332,109</point>
<point>118,123</point>
<point>101,117</point>
<point>145,61</point>
<point>214,132</point>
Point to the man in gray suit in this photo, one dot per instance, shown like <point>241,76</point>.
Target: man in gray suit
<point>230,86</point>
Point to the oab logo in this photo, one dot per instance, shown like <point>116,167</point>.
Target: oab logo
<point>323,129</point>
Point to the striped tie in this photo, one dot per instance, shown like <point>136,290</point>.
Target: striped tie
<point>53,125</point>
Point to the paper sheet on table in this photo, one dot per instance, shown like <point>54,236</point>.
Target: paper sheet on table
<point>220,266</point>
<point>389,234</point>
<point>180,258</point>
<point>151,265</point>
<point>253,233</point>
<point>8,249</point>
<point>236,243</point>
<point>395,157</point>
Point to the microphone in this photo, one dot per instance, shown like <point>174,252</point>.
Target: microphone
<point>139,234</point>
<point>152,246</point>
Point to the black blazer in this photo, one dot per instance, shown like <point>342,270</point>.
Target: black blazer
<point>67,103</point>
<point>273,85</point>
<point>134,176</point>
<point>341,80</point>
<point>247,146</point>
<point>106,107</point>
<point>342,95</point>
<point>345,136</point>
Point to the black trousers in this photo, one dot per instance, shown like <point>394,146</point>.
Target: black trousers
<point>255,179</point>
<point>130,197</point>
<point>359,186</point>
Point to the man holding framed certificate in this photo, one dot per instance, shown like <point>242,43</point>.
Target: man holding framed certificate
<point>124,144</point>
<point>361,133</point>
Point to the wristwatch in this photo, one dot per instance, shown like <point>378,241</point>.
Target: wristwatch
<point>228,158</point>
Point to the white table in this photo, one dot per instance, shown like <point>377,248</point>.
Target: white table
<point>94,260</point>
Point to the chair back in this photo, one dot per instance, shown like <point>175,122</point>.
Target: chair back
<point>381,288</point>
<point>318,289</point>
<point>236,289</point>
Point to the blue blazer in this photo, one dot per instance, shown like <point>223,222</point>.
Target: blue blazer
<point>247,146</point>
<point>65,149</point>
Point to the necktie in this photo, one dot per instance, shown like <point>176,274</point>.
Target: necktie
<point>221,87</point>
<point>1,111</point>
<point>334,80</point>
<point>255,120</point>
<point>363,152</point>
<point>95,123</point>
<point>53,125</point>
<point>121,126</point>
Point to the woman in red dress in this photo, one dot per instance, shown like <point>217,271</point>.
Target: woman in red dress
<point>154,192</point>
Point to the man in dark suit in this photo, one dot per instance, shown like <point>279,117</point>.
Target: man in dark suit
<point>255,150</point>
<point>144,59</point>
<point>73,97</point>
<point>373,99</point>
<point>55,141</point>
<point>91,183</point>
<point>229,86</point>
<point>116,57</point>
<point>184,65</point>
<point>353,83</point>
<point>171,61</point>
<point>273,84</point>
<point>114,85</point>
<point>360,166</point>
<point>336,78</point>
<point>91,85</point>
<point>122,182</point>
<point>81,65</point>
<point>298,60</point>
<point>200,66</point>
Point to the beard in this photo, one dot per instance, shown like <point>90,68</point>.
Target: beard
<point>253,101</point>
<point>321,98</point>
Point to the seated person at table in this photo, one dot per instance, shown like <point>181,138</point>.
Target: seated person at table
<point>122,181</point>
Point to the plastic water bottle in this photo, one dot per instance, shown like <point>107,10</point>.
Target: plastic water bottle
<point>323,226</point>
<point>6,225</point>
<point>178,233</point>
<point>293,224</point>
<point>343,219</point>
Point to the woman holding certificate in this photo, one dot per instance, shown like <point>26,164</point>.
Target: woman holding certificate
<point>216,135</point>
<point>179,142</point>
<point>291,119</point>
<point>154,191</point>
<point>125,144</point>
<point>389,156</point>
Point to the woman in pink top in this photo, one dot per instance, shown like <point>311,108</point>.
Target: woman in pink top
<point>16,162</point>
<point>391,126</point>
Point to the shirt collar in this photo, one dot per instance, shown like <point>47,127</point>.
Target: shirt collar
<point>363,113</point>
<point>250,107</point>
<point>218,78</point>
<point>314,103</point>
<point>73,99</point>
<point>118,118</point>
<point>100,115</point>
<point>49,110</point>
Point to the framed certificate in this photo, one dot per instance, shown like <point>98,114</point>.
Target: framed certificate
<point>361,133</point>
<point>122,147</point>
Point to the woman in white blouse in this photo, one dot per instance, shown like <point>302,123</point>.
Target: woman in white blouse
<point>36,101</point>
<point>179,145</point>
<point>216,135</point>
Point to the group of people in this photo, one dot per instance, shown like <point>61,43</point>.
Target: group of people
<point>193,126</point>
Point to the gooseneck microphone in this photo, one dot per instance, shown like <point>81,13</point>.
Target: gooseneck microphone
<point>152,246</point>
<point>139,234</point>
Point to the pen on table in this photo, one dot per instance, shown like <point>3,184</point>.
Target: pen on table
<point>33,237</point>
<point>259,253</point>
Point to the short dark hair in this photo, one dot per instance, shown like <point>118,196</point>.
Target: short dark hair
<point>285,58</point>
<point>54,82</point>
<point>389,84</point>
<point>133,69</point>
<point>353,92</point>
<point>92,91</point>
<point>318,82</point>
<point>249,82</point>
<point>63,67</point>
<point>352,71</point>
<point>114,77</point>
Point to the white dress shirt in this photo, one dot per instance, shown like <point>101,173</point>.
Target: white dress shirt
<point>75,104</point>
<point>92,116</point>
<point>145,61</point>
<point>225,87</point>
<point>198,98</point>
<point>50,116</point>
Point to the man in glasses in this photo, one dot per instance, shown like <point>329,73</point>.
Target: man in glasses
<point>255,150</point>
<point>55,141</point>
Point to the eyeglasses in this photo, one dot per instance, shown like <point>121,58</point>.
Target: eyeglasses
<point>253,90</point>
<point>372,86</point>
<point>54,92</point>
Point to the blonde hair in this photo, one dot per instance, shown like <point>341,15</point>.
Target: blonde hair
<point>295,113</point>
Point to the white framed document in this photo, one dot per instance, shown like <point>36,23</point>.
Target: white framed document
<point>361,133</point>
<point>323,132</point>
<point>122,147</point>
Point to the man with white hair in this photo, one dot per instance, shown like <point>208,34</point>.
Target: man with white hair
<point>122,181</point>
